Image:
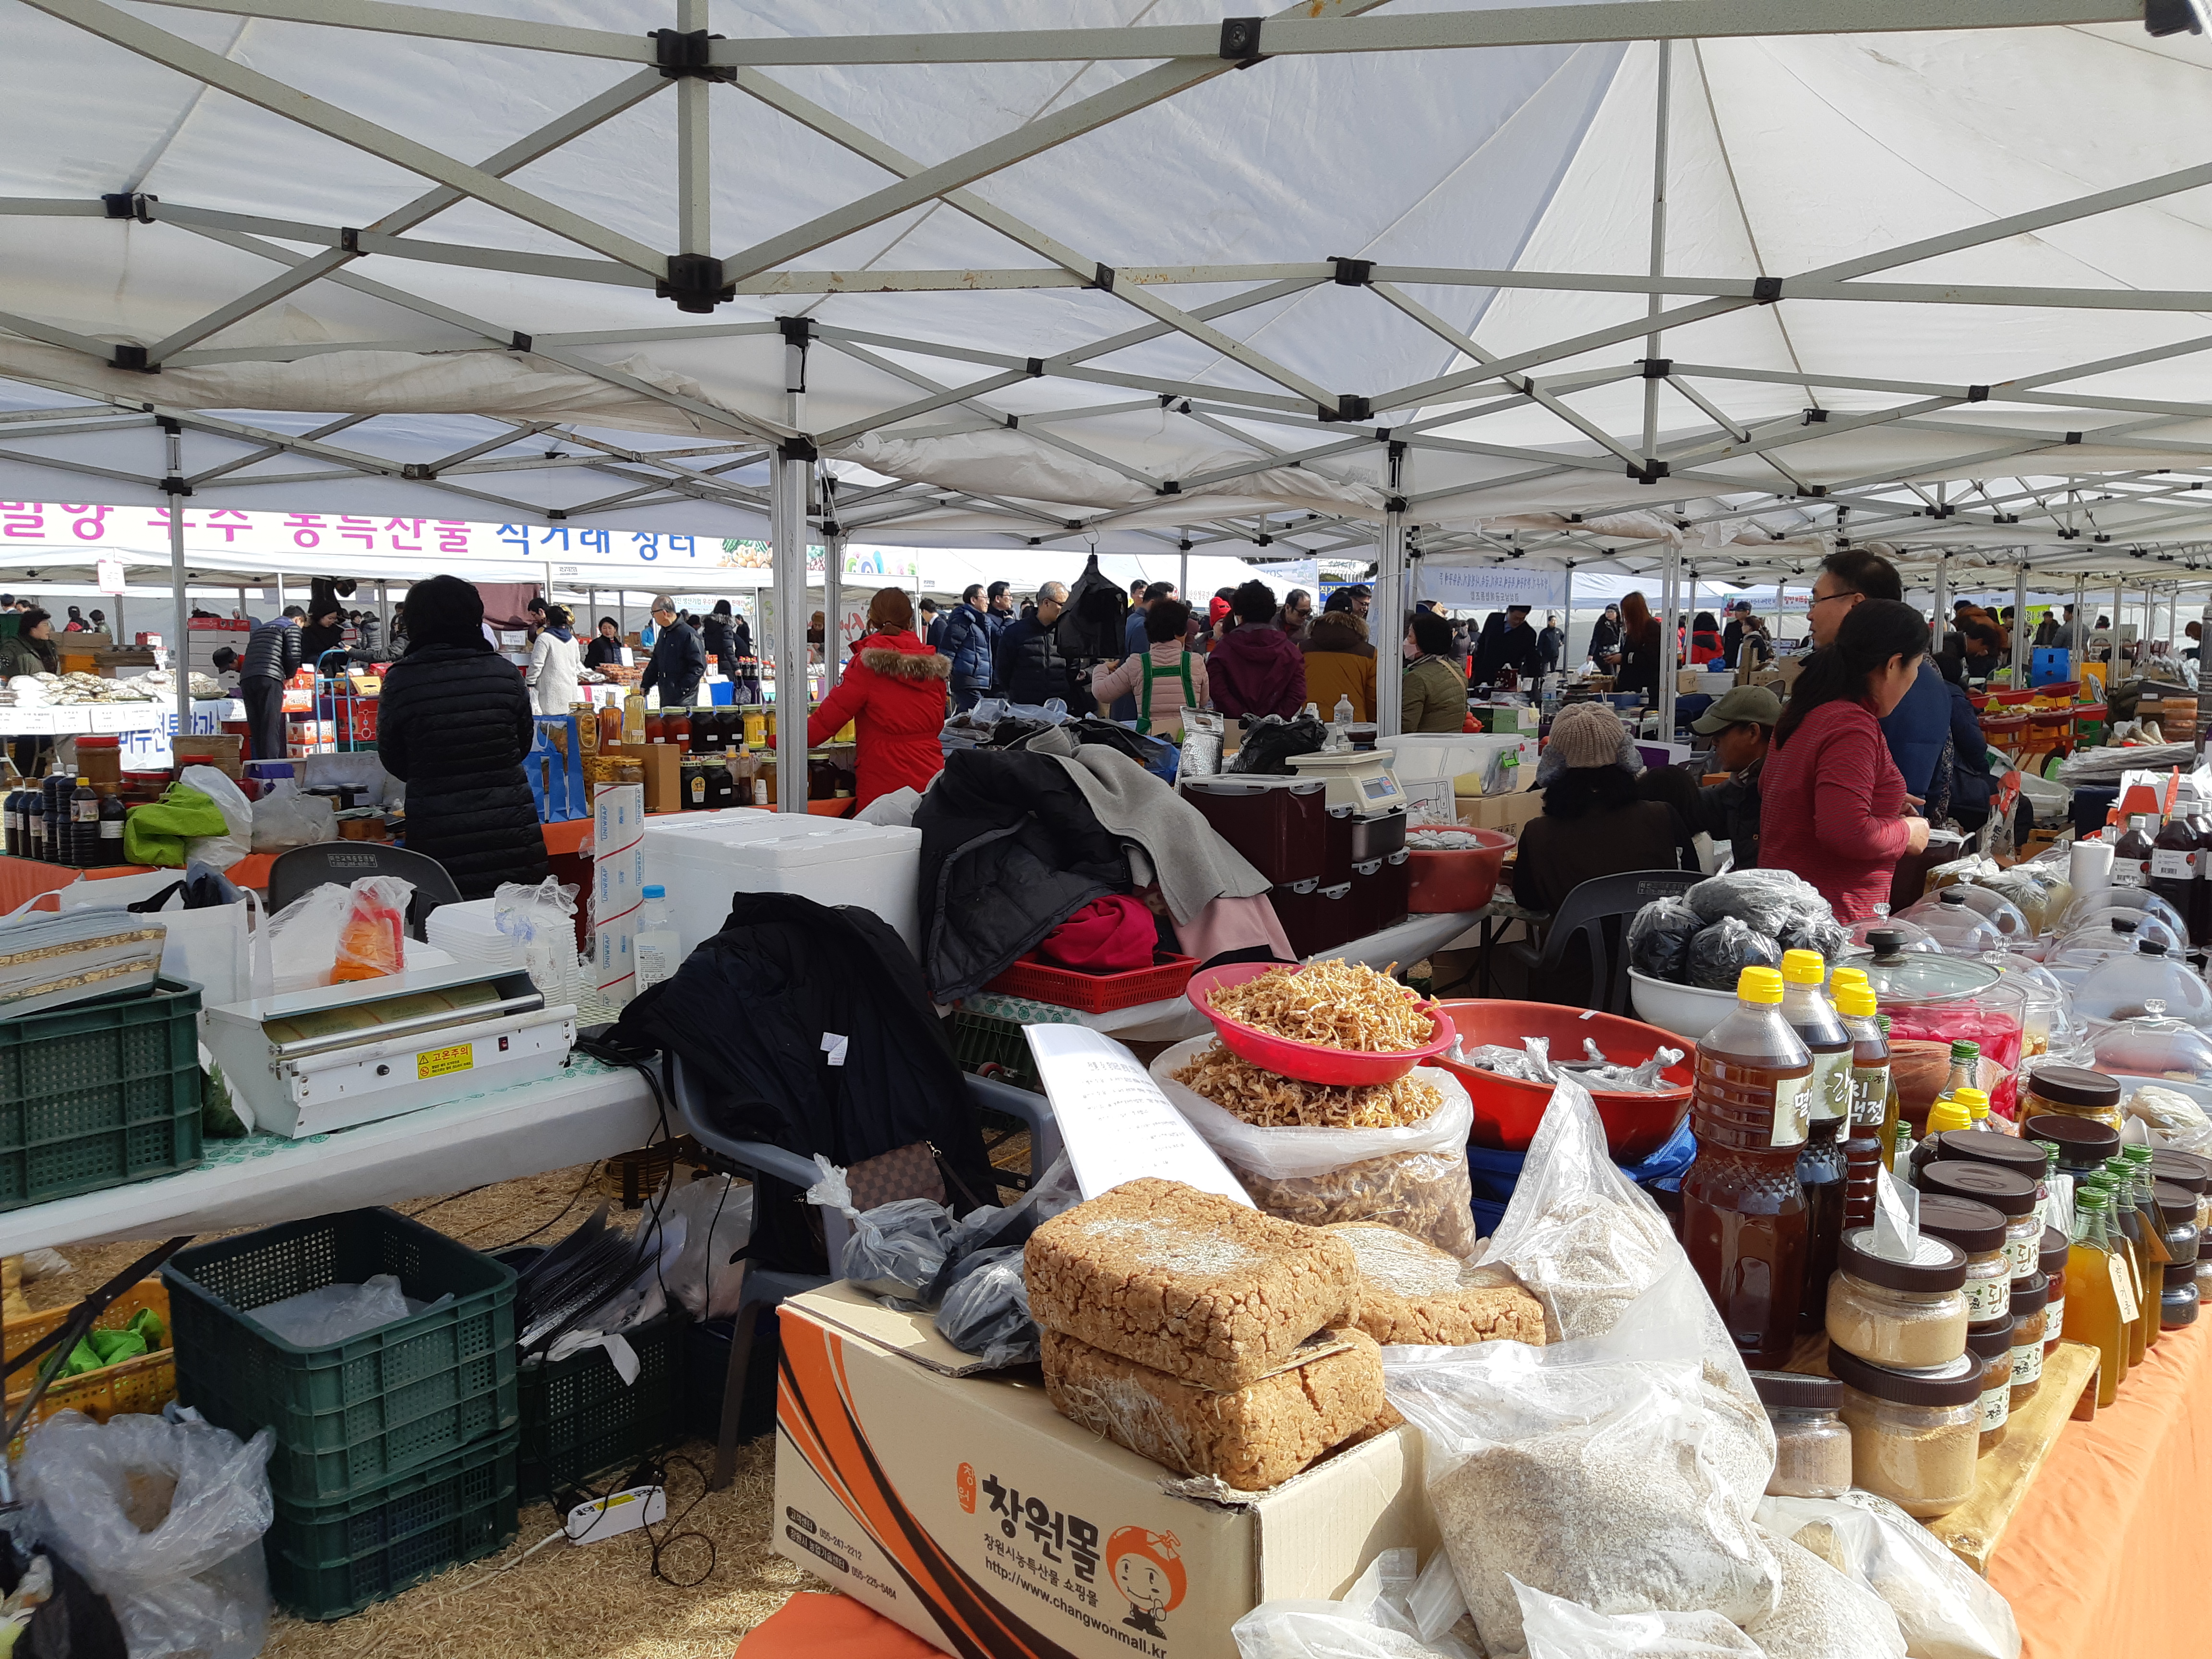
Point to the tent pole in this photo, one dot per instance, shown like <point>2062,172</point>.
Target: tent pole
<point>1390,607</point>
<point>280,593</point>
<point>788,540</point>
<point>1566,625</point>
<point>833,587</point>
<point>1657,301</point>
<point>2120,594</point>
<point>2022,653</point>
<point>180,664</point>
<point>1670,578</point>
<point>2078,647</point>
<point>1942,599</point>
<point>1182,574</point>
<point>1690,618</point>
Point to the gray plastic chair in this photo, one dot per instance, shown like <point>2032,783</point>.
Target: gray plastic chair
<point>341,863</point>
<point>762,1288</point>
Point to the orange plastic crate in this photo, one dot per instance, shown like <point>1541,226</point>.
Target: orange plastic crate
<point>143,1385</point>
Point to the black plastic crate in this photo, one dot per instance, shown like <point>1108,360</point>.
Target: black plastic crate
<point>327,1560</point>
<point>580,1417</point>
<point>100,1095</point>
<point>350,1417</point>
<point>706,1358</point>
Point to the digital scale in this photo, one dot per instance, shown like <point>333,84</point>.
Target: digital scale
<point>1359,780</point>
<point>307,1062</point>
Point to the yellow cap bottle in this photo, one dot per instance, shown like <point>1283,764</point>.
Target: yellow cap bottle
<point>1762,986</point>
<point>1977,1104</point>
<point>1854,1001</point>
<point>1843,976</point>
<point>1950,1112</point>
<point>1803,968</point>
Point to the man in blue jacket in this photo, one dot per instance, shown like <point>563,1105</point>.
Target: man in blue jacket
<point>969,640</point>
<point>1918,727</point>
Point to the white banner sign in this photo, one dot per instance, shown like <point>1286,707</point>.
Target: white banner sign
<point>1491,586</point>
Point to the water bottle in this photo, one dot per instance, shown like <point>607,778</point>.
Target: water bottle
<point>657,950</point>
<point>1342,714</point>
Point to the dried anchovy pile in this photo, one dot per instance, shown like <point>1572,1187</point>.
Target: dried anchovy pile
<point>1269,1102</point>
<point>1339,1004</point>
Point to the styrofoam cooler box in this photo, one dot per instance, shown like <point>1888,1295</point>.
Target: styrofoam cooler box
<point>1417,756</point>
<point>702,858</point>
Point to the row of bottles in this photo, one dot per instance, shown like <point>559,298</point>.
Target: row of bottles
<point>1792,1099</point>
<point>62,819</point>
<point>2126,1236</point>
<point>2172,858</point>
<point>711,730</point>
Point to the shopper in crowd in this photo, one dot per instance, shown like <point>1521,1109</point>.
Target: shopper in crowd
<point>1741,725</point>
<point>29,650</point>
<point>324,632</point>
<point>369,632</point>
<point>999,598</point>
<point>1507,643</point>
<point>1635,659</point>
<point>1551,644</point>
<point>1594,823</point>
<point>893,694</point>
<point>678,659</point>
<point>1360,596</point>
<point>1705,640</point>
<point>1296,614</point>
<point>98,619</point>
<point>1435,694</point>
<point>273,657</point>
<point>932,625</point>
<point>1135,641</point>
<point>606,646</point>
<point>1218,612</point>
<point>1137,586</point>
<point>1161,681</point>
<point>1917,724</point>
<point>1028,667</point>
<point>1833,799</point>
<point>533,618</point>
<point>1970,784</point>
<point>76,622</point>
<point>969,638</point>
<point>453,725</point>
<point>555,659</point>
<point>1255,668</point>
<point>719,638</point>
<point>1605,635</point>
<point>1340,661</point>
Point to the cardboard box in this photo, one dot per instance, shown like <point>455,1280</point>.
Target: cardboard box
<point>617,884</point>
<point>965,1509</point>
<point>664,772</point>
<point>1507,813</point>
<point>1504,717</point>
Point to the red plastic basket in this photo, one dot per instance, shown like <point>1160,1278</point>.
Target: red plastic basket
<point>1095,993</point>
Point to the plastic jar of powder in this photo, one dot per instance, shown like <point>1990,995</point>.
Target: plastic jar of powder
<point>2009,1193</point>
<point>2030,1304</point>
<point>1914,1438</point>
<point>1811,1447</point>
<point>1910,1315</point>
<point>1979,1232</point>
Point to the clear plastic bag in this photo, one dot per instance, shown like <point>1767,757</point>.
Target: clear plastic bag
<point>542,919</point>
<point>1556,1628</point>
<point>372,940</point>
<point>325,1317</point>
<point>1823,1613</point>
<point>284,818</point>
<point>896,1250</point>
<point>185,1577</point>
<point>1414,1179</point>
<point>1945,1610</point>
<point>1590,1245</point>
<point>1380,1617</point>
<point>1580,1469</point>
<point>986,1309</point>
<point>1723,949</point>
<point>296,951</point>
<point>1765,900</point>
<point>1201,744</point>
<point>718,1222</point>
<point>1823,935</point>
<point>220,852</point>
<point>1659,939</point>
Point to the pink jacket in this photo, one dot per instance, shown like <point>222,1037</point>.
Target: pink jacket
<point>1127,678</point>
<point>1829,801</point>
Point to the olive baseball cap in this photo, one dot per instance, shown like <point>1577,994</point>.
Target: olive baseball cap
<point>1754,704</point>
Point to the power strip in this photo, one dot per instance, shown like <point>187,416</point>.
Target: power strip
<point>615,1514</point>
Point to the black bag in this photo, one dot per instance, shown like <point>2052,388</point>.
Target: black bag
<point>1094,623</point>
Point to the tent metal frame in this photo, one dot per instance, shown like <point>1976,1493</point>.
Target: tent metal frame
<point>1686,462</point>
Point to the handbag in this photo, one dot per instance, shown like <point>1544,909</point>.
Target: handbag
<point>916,1171</point>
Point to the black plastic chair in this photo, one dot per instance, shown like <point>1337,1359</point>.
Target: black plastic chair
<point>340,863</point>
<point>1597,912</point>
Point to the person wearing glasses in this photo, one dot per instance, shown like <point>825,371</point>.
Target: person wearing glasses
<point>1919,724</point>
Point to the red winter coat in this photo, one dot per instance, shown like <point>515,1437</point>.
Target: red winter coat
<point>894,691</point>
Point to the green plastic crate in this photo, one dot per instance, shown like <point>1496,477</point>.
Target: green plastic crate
<point>350,1417</point>
<point>580,1417</point>
<point>327,1560</point>
<point>99,1095</point>
<point>993,1047</point>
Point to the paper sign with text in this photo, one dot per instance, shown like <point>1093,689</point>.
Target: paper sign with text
<point>1115,1123</point>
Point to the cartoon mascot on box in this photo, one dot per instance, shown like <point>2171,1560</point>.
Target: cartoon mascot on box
<point>1148,1568</point>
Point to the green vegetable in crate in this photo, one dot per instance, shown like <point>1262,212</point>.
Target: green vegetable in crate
<point>219,1118</point>
<point>142,1335</point>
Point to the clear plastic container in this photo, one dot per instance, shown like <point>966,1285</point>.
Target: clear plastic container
<point>2047,1019</point>
<point>1811,1447</point>
<point>2156,1047</point>
<point>2089,907</point>
<point>2008,1192</point>
<point>657,946</point>
<point>1999,911</point>
<point>2146,981</point>
<point>2110,933</point>
<point>1911,1316</point>
<point>1907,936</point>
<point>1806,1006</point>
<point>1978,1233</point>
<point>1934,999</point>
<point>1957,928</point>
<point>1914,1438</point>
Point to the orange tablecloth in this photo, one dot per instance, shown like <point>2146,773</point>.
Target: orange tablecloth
<point>26,878</point>
<point>2107,1555</point>
<point>811,1625</point>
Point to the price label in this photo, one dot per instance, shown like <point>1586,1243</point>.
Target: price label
<point>2123,1289</point>
<point>2168,865</point>
<point>443,1062</point>
<point>1793,1109</point>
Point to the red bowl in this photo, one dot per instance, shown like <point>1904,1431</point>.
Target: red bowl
<point>1309,1062</point>
<point>1445,880</point>
<point>1507,1110</point>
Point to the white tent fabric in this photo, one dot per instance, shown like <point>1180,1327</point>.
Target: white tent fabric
<point>1121,324</point>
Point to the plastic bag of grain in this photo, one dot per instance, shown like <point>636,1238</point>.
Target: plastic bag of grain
<point>1944,1609</point>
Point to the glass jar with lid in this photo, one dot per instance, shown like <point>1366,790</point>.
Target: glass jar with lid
<point>2177,1209</point>
<point>2031,1299</point>
<point>1910,1315</point>
<point>2151,980</point>
<point>2056,1247</point>
<point>1933,1000</point>
<point>1992,1345</point>
<point>1915,1437</point>
<point>2003,1151</point>
<point>2011,1194</point>
<point>2070,1091</point>
<point>2192,1174</point>
<point>2047,1021</point>
<point>1978,1231</point>
<point>1811,1447</point>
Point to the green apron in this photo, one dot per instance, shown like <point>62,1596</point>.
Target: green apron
<point>1145,691</point>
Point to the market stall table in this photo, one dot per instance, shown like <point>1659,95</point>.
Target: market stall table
<point>590,1112</point>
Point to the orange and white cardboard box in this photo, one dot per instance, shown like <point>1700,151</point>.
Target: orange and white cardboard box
<point>965,1509</point>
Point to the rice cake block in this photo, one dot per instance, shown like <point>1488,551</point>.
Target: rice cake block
<point>1190,1284</point>
<point>1411,1291</point>
<point>1251,1438</point>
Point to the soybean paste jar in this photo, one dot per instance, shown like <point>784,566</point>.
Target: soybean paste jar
<point>2056,1247</point>
<point>2072,1091</point>
<point>2011,1195</point>
<point>2030,1299</point>
<point>1992,1345</point>
<point>2177,1206</point>
<point>1979,1232</point>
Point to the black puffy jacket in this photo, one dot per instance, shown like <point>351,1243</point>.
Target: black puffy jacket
<point>721,643</point>
<point>1010,849</point>
<point>453,724</point>
<point>748,1011</point>
<point>1031,669</point>
<point>679,664</point>
<point>272,651</point>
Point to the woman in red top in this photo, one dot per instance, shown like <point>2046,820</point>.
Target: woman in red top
<point>1831,800</point>
<point>894,691</point>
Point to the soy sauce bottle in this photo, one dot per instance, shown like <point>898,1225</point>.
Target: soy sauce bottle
<point>112,814</point>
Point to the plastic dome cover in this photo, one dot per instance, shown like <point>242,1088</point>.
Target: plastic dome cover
<point>1959,929</point>
<point>2155,1047</point>
<point>2117,897</point>
<point>1909,937</point>
<point>2145,982</point>
<point>2111,933</point>
<point>1995,908</point>
<point>2047,1019</point>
